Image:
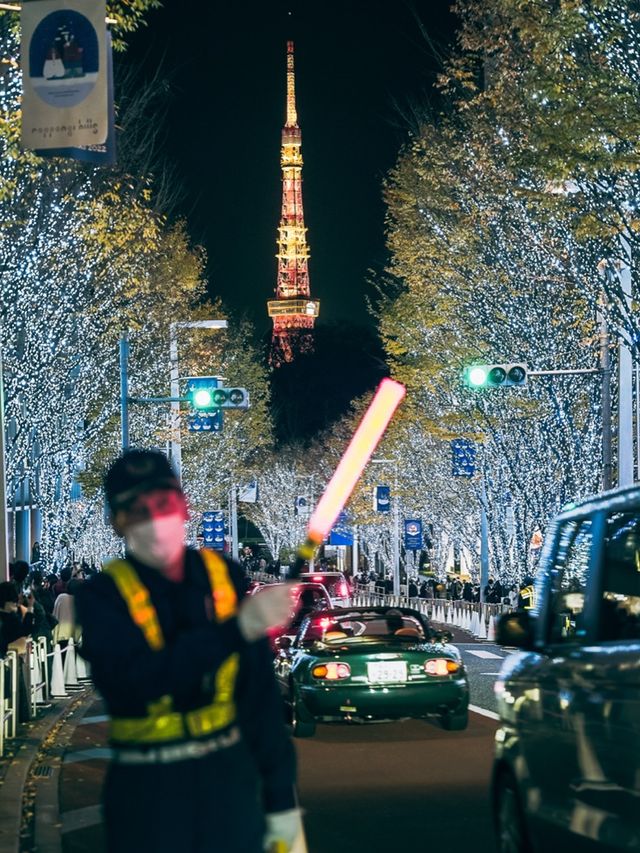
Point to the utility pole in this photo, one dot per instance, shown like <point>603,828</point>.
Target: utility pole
<point>233,517</point>
<point>484,538</point>
<point>625,383</point>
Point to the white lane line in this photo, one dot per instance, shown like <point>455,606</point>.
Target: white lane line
<point>101,718</point>
<point>488,673</point>
<point>484,655</point>
<point>81,818</point>
<point>87,754</point>
<point>483,711</point>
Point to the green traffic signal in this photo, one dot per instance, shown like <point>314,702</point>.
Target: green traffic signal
<point>203,399</point>
<point>477,376</point>
<point>495,375</point>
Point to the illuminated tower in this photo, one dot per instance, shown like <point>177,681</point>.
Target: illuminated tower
<point>293,311</point>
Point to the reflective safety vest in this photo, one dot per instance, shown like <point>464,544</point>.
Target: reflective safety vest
<point>528,597</point>
<point>162,723</point>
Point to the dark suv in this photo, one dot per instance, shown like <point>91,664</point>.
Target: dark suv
<point>567,767</point>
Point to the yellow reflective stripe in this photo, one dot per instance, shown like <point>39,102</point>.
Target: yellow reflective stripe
<point>138,601</point>
<point>222,711</point>
<point>165,727</point>
<point>225,599</point>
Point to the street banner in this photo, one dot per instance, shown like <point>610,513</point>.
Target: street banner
<point>103,154</point>
<point>413,534</point>
<point>341,533</point>
<point>463,457</point>
<point>64,74</point>
<point>248,494</point>
<point>381,498</point>
<point>302,506</point>
<point>213,527</point>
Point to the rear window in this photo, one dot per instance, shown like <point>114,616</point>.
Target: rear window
<point>335,585</point>
<point>620,605</point>
<point>364,629</point>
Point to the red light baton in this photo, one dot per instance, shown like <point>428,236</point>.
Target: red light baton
<point>361,447</point>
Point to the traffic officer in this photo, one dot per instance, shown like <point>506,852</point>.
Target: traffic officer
<point>202,762</point>
<point>526,599</point>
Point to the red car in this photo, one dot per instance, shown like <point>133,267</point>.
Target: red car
<point>311,596</point>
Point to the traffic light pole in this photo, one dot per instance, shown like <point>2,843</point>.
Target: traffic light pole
<point>124,392</point>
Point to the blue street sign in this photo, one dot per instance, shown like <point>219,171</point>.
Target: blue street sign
<point>213,529</point>
<point>463,457</point>
<point>341,534</point>
<point>205,422</point>
<point>413,534</point>
<point>381,498</point>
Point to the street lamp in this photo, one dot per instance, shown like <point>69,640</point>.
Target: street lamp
<point>175,446</point>
<point>396,523</point>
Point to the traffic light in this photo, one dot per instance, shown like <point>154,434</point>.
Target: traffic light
<point>200,393</point>
<point>495,376</point>
<point>231,398</point>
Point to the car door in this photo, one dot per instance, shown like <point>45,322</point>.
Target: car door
<point>549,744</point>
<point>606,718</point>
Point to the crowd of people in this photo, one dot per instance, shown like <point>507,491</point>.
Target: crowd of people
<point>451,588</point>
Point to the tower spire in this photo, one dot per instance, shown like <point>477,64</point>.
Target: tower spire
<point>293,311</point>
<point>292,115</point>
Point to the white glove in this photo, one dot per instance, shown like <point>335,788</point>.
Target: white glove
<point>283,830</point>
<point>272,607</point>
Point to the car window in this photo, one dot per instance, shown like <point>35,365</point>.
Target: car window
<point>363,628</point>
<point>570,581</point>
<point>620,604</point>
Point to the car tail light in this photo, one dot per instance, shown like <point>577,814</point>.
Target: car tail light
<point>440,666</point>
<point>331,671</point>
<point>318,578</point>
<point>343,590</point>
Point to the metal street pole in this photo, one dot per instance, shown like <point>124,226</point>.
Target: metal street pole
<point>484,539</point>
<point>233,511</point>
<point>354,552</point>
<point>625,386</point>
<point>124,391</point>
<point>396,524</point>
<point>175,444</point>
<point>605,370</point>
<point>4,538</point>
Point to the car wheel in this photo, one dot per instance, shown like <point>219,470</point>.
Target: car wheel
<point>511,832</point>
<point>302,725</point>
<point>455,722</point>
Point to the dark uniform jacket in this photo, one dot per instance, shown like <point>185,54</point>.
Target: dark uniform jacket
<point>129,674</point>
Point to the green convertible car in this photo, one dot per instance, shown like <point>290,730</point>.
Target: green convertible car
<point>370,663</point>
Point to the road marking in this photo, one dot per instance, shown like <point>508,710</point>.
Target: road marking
<point>81,818</point>
<point>484,655</point>
<point>483,711</point>
<point>100,718</point>
<point>488,673</point>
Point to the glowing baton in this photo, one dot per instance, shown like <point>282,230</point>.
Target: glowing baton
<point>361,447</point>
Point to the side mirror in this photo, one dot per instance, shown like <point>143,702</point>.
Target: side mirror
<point>516,629</point>
<point>283,643</point>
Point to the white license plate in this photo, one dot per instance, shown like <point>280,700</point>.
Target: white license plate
<point>387,671</point>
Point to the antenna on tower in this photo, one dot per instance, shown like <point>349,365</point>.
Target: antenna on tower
<point>292,115</point>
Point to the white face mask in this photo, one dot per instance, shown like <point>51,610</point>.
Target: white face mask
<point>158,542</point>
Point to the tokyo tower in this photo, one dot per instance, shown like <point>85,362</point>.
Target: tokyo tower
<point>293,310</point>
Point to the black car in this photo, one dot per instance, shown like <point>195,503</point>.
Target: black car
<point>567,764</point>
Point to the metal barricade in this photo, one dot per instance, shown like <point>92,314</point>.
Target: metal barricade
<point>8,697</point>
<point>38,673</point>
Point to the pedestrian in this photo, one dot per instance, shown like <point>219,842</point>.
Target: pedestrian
<point>412,589</point>
<point>15,622</point>
<point>64,612</point>
<point>35,553</point>
<point>61,584</point>
<point>202,762</point>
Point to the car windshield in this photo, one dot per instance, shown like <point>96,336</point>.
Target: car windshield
<point>363,629</point>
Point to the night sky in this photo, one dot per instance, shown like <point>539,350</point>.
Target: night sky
<point>355,63</point>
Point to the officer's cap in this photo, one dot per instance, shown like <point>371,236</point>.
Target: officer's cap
<point>137,472</point>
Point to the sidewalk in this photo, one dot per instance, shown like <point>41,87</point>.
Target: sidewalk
<point>29,763</point>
